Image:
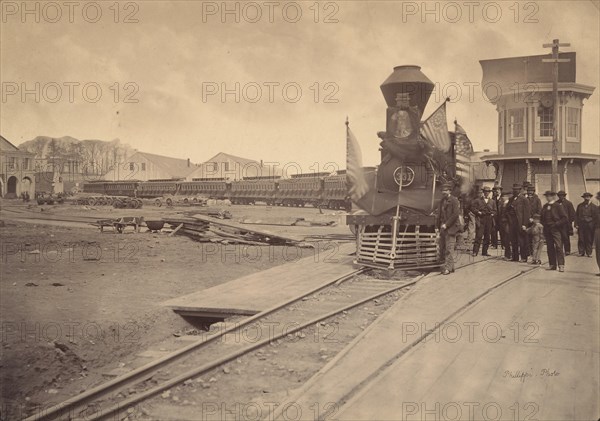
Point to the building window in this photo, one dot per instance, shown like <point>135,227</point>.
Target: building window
<point>143,166</point>
<point>227,166</point>
<point>516,123</point>
<point>545,118</point>
<point>573,122</point>
<point>131,166</point>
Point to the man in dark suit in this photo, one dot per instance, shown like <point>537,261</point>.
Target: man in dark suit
<point>485,211</point>
<point>567,231</point>
<point>497,233</point>
<point>447,224</point>
<point>518,214</point>
<point>504,226</point>
<point>535,206</point>
<point>554,218</point>
<point>584,222</point>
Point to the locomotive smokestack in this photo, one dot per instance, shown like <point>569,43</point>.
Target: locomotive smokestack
<point>188,162</point>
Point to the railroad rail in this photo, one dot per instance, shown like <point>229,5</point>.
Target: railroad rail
<point>105,400</point>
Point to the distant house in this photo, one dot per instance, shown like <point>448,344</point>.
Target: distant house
<point>231,167</point>
<point>146,166</point>
<point>17,171</point>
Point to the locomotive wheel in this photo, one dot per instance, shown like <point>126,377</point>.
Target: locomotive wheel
<point>186,201</point>
<point>109,200</point>
<point>117,204</point>
<point>195,200</point>
<point>91,201</point>
<point>169,202</point>
<point>158,203</point>
<point>101,201</point>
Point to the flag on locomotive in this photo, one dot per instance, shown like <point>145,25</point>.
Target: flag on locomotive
<point>396,227</point>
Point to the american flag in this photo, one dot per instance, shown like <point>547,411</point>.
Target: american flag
<point>355,176</point>
<point>435,129</point>
<point>463,149</point>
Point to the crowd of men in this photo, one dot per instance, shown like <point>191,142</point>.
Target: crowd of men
<point>519,224</point>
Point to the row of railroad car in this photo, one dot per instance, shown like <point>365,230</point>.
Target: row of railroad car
<point>316,189</point>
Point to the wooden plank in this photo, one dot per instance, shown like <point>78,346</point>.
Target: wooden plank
<point>258,291</point>
<point>175,230</point>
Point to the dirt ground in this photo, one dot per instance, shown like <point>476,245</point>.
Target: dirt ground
<point>74,300</point>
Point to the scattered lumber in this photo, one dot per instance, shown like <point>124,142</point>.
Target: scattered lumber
<point>203,228</point>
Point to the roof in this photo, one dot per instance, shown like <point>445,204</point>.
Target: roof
<point>589,156</point>
<point>510,70</point>
<point>176,167</point>
<point>5,145</point>
<point>225,157</point>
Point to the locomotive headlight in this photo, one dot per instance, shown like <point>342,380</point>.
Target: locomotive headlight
<point>404,175</point>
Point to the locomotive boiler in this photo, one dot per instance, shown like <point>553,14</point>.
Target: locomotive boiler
<point>395,227</point>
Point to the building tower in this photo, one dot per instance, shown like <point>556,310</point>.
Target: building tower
<point>521,89</point>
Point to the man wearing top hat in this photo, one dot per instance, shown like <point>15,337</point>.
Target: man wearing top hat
<point>535,205</point>
<point>518,214</point>
<point>504,225</point>
<point>447,224</point>
<point>568,227</point>
<point>584,222</point>
<point>496,231</point>
<point>485,211</point>
<point>554,218</point>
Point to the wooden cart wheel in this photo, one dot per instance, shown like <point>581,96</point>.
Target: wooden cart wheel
<point>91,201</point>
<point>169,202</point>
<point>158,203</point>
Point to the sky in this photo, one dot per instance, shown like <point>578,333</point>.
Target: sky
<point>152,73</point>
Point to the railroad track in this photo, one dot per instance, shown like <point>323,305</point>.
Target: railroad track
<point>270,325</point>
<point>112,397</point>
<point>278,413</point>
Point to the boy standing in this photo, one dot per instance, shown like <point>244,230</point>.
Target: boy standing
<point>536,232</point>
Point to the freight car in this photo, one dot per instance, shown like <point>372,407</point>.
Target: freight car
<point>335,192</point>
<point>316,189</point>
<point>300,190</point>
<point>254,189</point>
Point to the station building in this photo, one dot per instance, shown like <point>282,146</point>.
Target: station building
<point>521,90</point>
<point>17,171</point>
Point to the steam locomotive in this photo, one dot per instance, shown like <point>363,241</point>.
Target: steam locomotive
<point>396,224</point>
<point>317,189</point>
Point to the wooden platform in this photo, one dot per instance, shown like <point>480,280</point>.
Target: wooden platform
<point>548,325</point>
<point>259,291</point>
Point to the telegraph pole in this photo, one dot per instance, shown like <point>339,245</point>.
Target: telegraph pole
<point>555,45</point>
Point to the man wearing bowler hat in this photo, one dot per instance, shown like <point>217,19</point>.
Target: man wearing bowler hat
<point>554,218</point>
<point>584,222</point>
<point>567,231</point>
<point>447,224</point>
<point>485,211</point>
<point>518,213</point>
